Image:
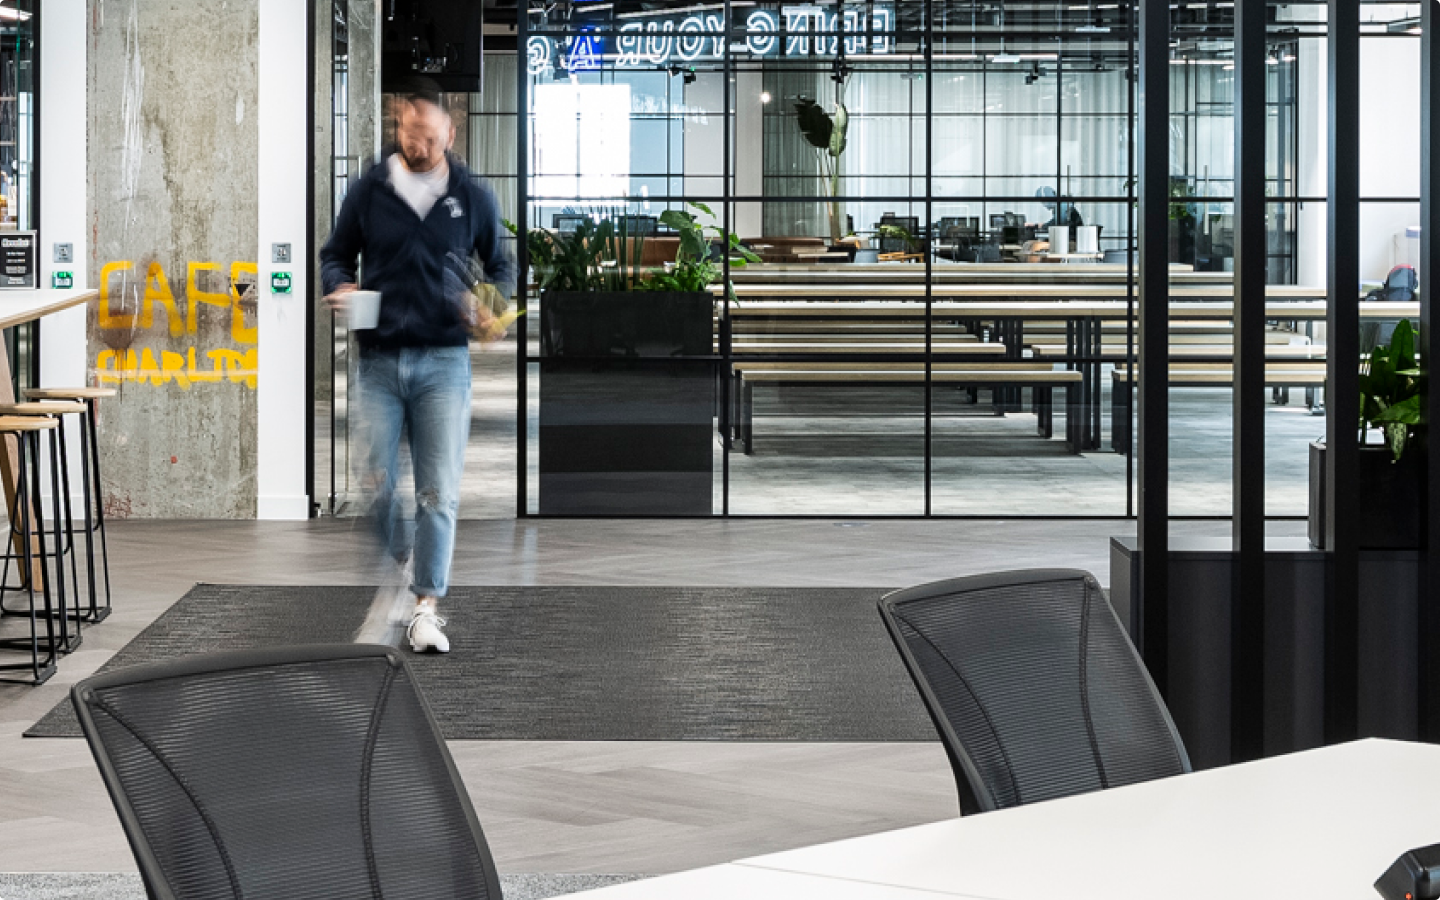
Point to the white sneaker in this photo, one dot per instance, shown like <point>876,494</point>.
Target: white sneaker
<point>425,633</point>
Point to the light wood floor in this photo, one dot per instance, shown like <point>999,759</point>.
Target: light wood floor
<point>558,807</point>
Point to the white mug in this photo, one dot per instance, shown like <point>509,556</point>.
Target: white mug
<point>364,310</point>
<point>1060,239</point>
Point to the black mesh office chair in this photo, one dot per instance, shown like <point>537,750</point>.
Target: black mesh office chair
<point>1400,286</point>
<point>304,772</point>
<point>1034,687</point>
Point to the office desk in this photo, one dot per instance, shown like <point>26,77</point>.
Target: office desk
<point>1319,825</point>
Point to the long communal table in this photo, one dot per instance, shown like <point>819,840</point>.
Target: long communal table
<point>1321,824</point>
<point>978,273</point>
<point>1004,309</point>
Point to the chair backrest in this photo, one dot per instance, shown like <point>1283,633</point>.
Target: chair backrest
<point>294,773</point>
<point>1401,283</point>
<point>1033,685</point>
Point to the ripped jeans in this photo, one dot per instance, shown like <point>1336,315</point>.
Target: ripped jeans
<point>425,392</point>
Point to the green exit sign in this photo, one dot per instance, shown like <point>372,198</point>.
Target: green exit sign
<point>62,280</point>
<point>279,282</point>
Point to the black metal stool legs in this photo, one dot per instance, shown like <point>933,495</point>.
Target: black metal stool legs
<point>27,485</point>
<point>59,500</point>
<point>90,451</point>
<point>76,613</point>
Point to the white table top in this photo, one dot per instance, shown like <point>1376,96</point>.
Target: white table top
<point>17,307</point>
<point>736,882</point>
<point>1321,825</point>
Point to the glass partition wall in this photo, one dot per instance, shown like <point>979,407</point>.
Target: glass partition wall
<point>917,339</point>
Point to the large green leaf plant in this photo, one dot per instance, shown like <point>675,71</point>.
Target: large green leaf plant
<point>695,269</point>
<point>1390,387</point>
<point>827,135</point>
<point>599,255</point>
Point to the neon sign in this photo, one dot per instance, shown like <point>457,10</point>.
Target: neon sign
<point>658,42</point>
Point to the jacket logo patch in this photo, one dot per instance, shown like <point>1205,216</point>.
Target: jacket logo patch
<point>454,206</point>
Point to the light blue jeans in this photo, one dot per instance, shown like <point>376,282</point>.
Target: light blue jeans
<point>425,393</point>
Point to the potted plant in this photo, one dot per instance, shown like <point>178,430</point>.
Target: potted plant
<point>895,239</point>
<point>581,276</point>
<point>696,267</point>
<point>827,135</point>
<point>627,376</point>
<point>1388,477</point>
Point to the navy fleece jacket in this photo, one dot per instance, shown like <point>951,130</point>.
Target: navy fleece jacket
<point>417,266</point>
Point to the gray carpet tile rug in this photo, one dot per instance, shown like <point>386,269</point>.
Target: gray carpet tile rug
<point>127,886</point>
<point>596,663</point>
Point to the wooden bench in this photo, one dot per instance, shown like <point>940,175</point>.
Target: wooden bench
<point>832,347</point>
<point>1219,352</point>
<point>1284,375</point>
<point>1042,380</point>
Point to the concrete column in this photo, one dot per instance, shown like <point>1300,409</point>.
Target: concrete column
<point>282,167</point>
<point>173,207</point>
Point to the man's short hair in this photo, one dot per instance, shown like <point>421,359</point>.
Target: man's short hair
<point>419,88</point>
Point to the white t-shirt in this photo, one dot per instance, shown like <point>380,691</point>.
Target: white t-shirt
<point>419,190</point>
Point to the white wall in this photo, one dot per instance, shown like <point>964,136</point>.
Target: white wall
<point>704,146</point>
<point>284,161</point>
<point>1389,151</point>
<point>749,151</point>
<point>62,196</point>
<point>1389,146</point>
<point>1313,118</point>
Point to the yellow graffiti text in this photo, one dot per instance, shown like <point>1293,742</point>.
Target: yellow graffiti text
<point>183,370</point>
<point>116,312</point>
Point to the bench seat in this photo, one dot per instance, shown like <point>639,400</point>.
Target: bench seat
<point>1308,374</point>
<point>1042,380</point>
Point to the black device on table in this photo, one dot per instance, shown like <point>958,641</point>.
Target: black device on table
<point>1414,876</point>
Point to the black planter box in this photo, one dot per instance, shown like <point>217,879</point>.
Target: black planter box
<point>634,325</point>
<point>1389,507</point>
<point>627,404</point>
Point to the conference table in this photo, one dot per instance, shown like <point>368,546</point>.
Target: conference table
<point>1321,825</point>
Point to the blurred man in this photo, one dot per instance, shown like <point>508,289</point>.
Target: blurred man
<point>410,220</point>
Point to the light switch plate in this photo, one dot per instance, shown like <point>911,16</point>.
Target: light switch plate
<point>279,253</point>
<point>64,253</point>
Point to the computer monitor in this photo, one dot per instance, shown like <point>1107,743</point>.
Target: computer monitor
<point>566,223</point>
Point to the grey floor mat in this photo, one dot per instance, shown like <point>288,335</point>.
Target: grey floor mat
<point>596,663</point>
<point>126,886</point>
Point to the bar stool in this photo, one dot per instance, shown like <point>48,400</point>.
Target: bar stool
<point>55,409</point>
<point>90,476</point>
<point>31,533</point>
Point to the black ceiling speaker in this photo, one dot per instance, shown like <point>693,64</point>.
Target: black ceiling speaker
<point>438,39</point>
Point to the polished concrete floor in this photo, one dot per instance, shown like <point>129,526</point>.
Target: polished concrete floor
<point>559,807</point>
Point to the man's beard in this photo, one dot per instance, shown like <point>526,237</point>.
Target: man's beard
<point>417,164</point>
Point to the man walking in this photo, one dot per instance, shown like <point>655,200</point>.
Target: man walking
<point>412,220</point>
